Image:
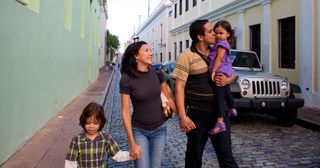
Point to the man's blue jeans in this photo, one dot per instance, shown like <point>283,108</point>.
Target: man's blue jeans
<point>152,144</point>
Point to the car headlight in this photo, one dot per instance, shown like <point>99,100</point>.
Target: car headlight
<point>245,84</point>
<point>284,85</point>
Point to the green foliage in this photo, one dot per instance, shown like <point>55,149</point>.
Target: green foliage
<point>112,44</point>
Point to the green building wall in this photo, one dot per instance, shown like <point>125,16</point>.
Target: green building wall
<point>46,60</point>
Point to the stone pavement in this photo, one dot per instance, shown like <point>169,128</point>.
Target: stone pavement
<point>48,147</point>
<point>257,141</point>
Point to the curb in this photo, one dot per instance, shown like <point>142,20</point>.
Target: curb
<point>106,91</point>
<point>308,124</point>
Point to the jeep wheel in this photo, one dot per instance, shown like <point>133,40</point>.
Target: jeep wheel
<point>287,117</point>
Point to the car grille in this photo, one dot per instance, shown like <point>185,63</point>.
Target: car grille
<point>271,88</point>
<point>262,88</point>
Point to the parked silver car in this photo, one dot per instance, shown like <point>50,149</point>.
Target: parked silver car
<point>167,69</point>
<point>259,91</point>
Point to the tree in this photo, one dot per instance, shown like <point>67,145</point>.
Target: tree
<point>112,44</point>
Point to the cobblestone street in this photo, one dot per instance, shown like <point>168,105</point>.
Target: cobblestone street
<point>256,140</point>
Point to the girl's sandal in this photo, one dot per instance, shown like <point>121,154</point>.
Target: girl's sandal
<point>220,125</point>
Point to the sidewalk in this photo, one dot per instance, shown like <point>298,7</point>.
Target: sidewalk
<point>48,147</point>
<point>309,117</point>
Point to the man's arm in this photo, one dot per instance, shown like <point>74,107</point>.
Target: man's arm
<point>186,123</point>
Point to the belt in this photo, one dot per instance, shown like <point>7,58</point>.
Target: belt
<point>200,94</point>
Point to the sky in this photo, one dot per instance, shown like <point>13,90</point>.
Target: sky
<point>123,17</point>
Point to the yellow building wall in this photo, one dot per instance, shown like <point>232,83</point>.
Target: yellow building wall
<point>216,4</point>
<point>279,10</point>
<point>252,16</point>
<point>233,20</point>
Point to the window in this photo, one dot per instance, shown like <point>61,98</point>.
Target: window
<point>287,43</point>
<point>180,47</point>
<point>160,57</point>
<point>187,5</point>
<point>194,3</point>
<point>255,39</point>
<point>175,50</point>
<point>175,10</point>
<point>160,34</point>
<point>187,43</point>
<point>170,13</point>
<point>169,55</point>
<point>233,40</point>
<point>180,7</point>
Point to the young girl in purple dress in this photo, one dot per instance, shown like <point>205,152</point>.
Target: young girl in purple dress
<point>219,62</point>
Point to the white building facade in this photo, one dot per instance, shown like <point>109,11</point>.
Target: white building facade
<point>284,34</point>
<point>155,32</point>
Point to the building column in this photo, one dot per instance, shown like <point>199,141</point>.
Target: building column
<point>209,6</point>
<point>240,30</point>
<point>266,36</point>
<point>307,51</point>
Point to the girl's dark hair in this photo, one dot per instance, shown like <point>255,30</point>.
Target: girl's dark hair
<point>128,63</point>
<point>93,109</point>
<point>197,28</point>
<point>226,25</point>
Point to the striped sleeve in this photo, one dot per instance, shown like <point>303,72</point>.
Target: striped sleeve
<point>73,152</point>
<point>182,67</point>
<point>112,146</point>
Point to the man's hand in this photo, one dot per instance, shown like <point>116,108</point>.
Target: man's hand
<point>213,74</point>
<point>222,80</point>
<point>186,124</point>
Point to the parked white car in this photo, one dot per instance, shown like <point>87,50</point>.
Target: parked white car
<point>258,91</point>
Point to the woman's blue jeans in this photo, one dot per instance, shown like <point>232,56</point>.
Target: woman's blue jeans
<point>152,144</point>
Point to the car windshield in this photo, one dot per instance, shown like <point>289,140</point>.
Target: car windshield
<point>244,59</point>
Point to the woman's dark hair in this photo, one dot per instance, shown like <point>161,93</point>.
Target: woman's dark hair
<point>197,28</point>
<point>93,109</point>
<point>226,25</point>
<point>128,63</point>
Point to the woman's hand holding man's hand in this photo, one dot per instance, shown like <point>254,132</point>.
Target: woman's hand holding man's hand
<point>135,152</point>
<point>186,124</point>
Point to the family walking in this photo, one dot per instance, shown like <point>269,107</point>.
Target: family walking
<point>201,89</point>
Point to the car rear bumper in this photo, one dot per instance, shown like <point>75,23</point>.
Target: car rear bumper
<point>268,103</point>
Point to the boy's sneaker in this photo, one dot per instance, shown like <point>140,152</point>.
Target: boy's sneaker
<point>219,127</point>
<point>232,112</point>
